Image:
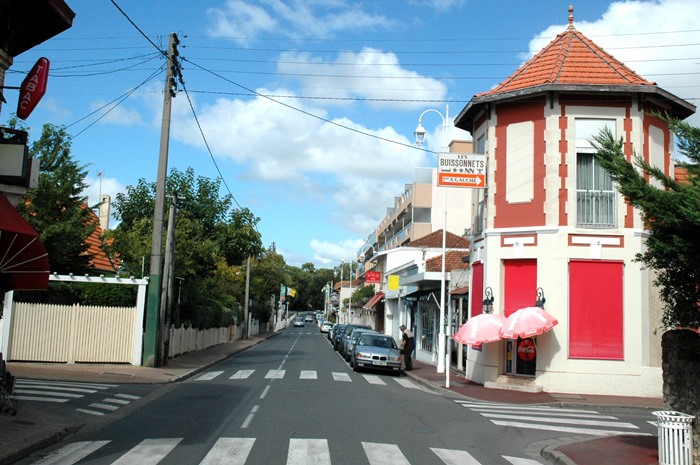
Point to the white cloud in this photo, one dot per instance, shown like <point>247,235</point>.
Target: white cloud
<point>658,39</point>
<point>242,21</point>
<point>369,74</point>
<point>329,253</point>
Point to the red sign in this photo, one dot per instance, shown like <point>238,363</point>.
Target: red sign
<point>373,277</point>
<point>33,88</point>
<point>527,350</point>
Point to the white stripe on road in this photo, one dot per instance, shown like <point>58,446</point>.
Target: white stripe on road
<point>341,377</point>
<point>308,451</point>
<point>308,374</point>
<point>90,412</point>
<point>117,401</point>
<point>564,429</point>
<point>127,396</point>
<point>111,408</point>
<point>411,385</point>
<point>455,457</point>
<point>242,374</point>
<point>149,451</point>
<point>40,399</point>
<point>209,376</point>
<point>68,384</point>
<point>520,460</point>
<point>229,451</point>
<point>57,394</point>
<point>275,374</point>
<point>374,379</point>
<point>39,387</point>
<point>549,413</point>
<point>71,453</point>
<point>572,421</point>
<point>384,454</point>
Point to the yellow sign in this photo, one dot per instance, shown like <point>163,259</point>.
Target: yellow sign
<point>393,282</point>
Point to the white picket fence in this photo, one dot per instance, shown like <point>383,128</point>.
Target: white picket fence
<point>93,334</point>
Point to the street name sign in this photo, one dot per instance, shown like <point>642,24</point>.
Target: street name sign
<point>461,170</point>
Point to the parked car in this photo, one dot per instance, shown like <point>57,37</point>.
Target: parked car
<point>338,334</point>
<point>350,343</point>
<point>374,351</point>
<point>342,344</point>
<point>326,326</point>
<point>298,321</point>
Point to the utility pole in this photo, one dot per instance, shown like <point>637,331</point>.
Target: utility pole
<point>246,334</point>
<point>166,296</point>
<point>150,337</point>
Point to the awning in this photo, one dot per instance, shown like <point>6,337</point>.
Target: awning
<point>376,298</point>
<point>422,294</point>
<point>24,263</point>
<point>460,291</point>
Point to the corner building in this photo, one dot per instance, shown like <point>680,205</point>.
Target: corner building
<point>552,222</point>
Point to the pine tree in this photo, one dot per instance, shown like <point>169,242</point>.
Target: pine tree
<point>672,214</point>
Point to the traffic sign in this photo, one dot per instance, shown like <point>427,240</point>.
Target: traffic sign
<point>461,170</point>
<point>33,88</point>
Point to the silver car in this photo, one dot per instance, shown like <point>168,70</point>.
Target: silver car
<point>374,351</point>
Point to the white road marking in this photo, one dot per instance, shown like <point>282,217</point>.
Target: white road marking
<point>209,376</point>
<point>242,374</point>
<point>308,374</point>
<point>308,451</point>
<point>455,457</point>
<point>373,379</point>
<point>229,451</point>
<point>71,453</point>
<point>149,451</point>
<point>341,377</point>
<point>384,454</point>
<point>275,374</point>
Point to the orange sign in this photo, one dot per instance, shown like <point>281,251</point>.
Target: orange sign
<point>461,170</point>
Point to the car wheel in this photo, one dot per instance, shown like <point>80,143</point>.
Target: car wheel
<point>355,367</point>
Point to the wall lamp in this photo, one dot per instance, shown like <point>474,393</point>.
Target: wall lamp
<point>540,298</point>
<point>488,300</point>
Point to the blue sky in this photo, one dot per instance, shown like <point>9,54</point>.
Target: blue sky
<point>309,106</point>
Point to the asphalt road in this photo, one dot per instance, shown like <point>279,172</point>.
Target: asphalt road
<point>293,400</point>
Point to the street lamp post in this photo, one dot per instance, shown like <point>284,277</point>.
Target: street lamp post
<point>420,137</point>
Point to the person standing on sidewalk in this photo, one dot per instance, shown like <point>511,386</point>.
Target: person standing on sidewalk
<point>407,346</point>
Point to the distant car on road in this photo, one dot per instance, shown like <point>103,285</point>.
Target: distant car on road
<point>309,319</point>
<point>298,321</point>
<point>326,326</point>
<point>374,351</point>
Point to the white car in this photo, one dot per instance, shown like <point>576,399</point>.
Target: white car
<point>326,326</point>
<point>298,321</point>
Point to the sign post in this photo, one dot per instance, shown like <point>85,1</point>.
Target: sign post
<point>461,170</point>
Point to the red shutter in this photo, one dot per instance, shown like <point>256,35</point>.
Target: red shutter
<point>477,289</point>
<point>596,310</point>
<point>520,285</point>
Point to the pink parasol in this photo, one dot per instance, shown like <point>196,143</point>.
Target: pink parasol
<point>527,322</point>
<point>479,329</point>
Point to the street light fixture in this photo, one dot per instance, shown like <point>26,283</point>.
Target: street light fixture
<point>419,133</point>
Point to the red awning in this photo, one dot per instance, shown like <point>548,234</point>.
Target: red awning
<point>460,291</point>
<point>24,263</point>
<point>376,298</point>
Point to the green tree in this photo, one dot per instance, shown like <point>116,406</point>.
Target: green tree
<point>56,208</point>
<point>211,237</point>
<point>672,214</point>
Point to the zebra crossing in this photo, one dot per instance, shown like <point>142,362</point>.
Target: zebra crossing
<point>310,375</point>
<point>64,391</point>
<point>547,418</point>
<point>237,451</point>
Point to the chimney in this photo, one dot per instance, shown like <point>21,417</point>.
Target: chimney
<point>105,205</point>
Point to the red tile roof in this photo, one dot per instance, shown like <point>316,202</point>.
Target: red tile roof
<point>434,240</point>
<point>452,263</point>
<point>99,260</point>
<point>571,58</point>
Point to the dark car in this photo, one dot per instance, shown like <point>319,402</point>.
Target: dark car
<point>338,334</point>
<point>343,343</point>
<point>374,351</point>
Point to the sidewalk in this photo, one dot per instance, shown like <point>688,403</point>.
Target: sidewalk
<point>34,428</point>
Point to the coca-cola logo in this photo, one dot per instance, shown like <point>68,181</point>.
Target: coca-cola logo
<point>527,350</point>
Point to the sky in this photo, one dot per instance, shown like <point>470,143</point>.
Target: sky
<point>306,108</point>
